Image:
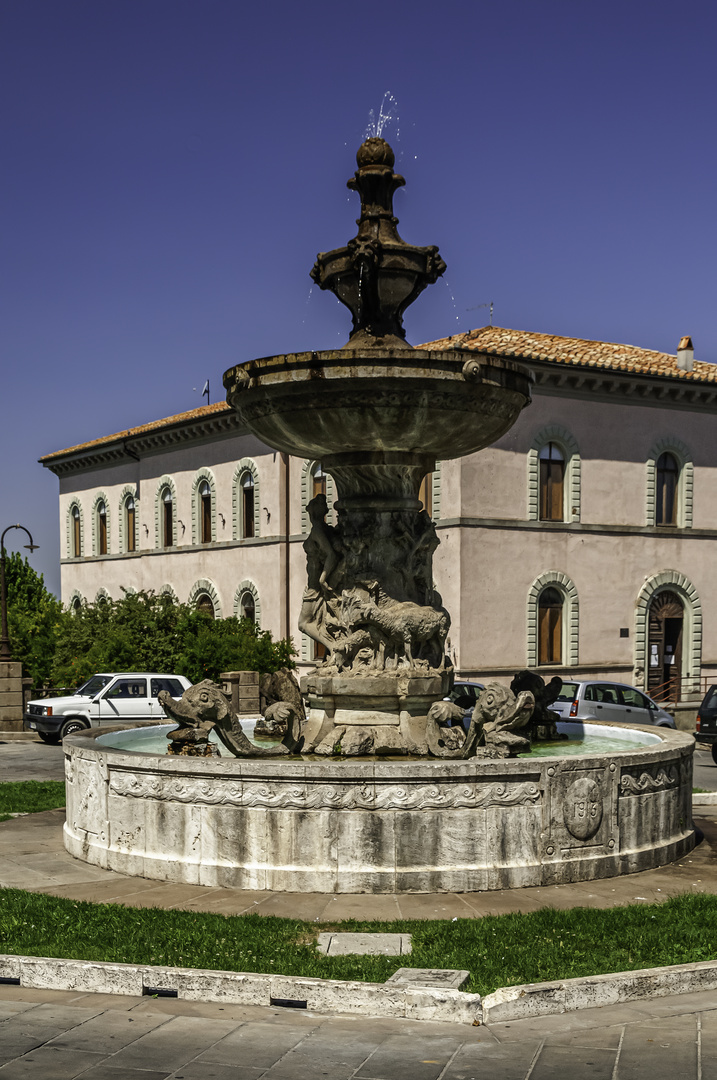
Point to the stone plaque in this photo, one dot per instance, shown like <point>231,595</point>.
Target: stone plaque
<point>441,978</point>
<point>582,808</point>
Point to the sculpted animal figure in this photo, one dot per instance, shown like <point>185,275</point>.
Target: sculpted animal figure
<point>206,706</point>
<point>410,629</point>
<point>496,719</point>
<point>444,730</point>
<point>542,725</point>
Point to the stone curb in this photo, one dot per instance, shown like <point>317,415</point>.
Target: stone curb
<point>570,995</point>
<point>243,988</point>
<point>704,798</point>
<point>367,999</point>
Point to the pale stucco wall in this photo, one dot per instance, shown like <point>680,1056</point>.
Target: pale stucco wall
<point>490,553</point>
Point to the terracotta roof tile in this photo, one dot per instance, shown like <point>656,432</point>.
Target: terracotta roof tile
<point>154,425</point>
<point>577,352</point>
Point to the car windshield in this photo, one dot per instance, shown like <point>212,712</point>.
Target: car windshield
<point>710,701</point>
<point>568,691</point>
<point>93,685</point>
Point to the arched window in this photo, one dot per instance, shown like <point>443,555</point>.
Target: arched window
<point>553,626</point>
<point>75,603</point>
<point>246,484</point>
<point>246,602</point>
<point>315,481</point>
<point>204,596</point>
<point>205,512</point>
<point>667,475</point>
<point>205,605</point>
<point>247,607</point>
<point>552,483</point>
<point>550,626</point>
<point>130,521</point>
<point>76,532</point>
<point>554,470</point>
<point>318,480</point>
<point>101,528</point>
<point>167,512</point>
<point>670,484</point>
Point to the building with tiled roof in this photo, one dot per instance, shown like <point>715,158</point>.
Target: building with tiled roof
<point>580,543</point>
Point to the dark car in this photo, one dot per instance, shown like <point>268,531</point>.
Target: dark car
<point>465,695</point>
<point>706,726</point>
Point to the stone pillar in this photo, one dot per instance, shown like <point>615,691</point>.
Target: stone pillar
<point>244,689</point>
<point>11,695</point>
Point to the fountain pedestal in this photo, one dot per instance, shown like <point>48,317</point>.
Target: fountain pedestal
<point>378,415</point>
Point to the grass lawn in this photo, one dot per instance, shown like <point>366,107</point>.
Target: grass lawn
<point>30,796</point>
<point>497,950</point>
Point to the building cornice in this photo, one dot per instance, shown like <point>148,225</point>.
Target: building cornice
<point>638,389</point>
<point>136,443</point>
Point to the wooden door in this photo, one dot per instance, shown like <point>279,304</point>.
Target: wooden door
<point>664,650</point>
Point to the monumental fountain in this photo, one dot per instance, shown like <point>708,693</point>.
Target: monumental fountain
<point>379,788</point>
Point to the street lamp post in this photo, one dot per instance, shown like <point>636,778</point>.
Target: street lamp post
<point>4,638</point>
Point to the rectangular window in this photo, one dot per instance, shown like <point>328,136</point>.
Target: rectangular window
<point>131,538</point>
<point>549,635</point>
<point>551,490</point>
<point>173,687</point>
<point>128,688</point>
<point>206,519</point>
<point>168,525</point>
<point>248,511</point>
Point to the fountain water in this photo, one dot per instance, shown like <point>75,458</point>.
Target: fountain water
<point>392,796</point>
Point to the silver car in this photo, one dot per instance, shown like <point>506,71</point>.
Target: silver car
<point>615,703</point>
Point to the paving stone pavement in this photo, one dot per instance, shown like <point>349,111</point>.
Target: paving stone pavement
<point>61,1035</point>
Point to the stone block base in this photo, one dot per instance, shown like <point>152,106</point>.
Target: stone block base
<point>11,695</point>
<point>390,707</point>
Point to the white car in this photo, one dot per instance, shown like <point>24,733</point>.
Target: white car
<point>106,698</point>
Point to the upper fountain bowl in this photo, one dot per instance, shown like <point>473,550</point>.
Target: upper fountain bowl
<point>438,404</point>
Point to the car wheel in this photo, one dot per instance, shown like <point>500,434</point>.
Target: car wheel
<point>714,752</point>
<point>72,727</point>
<point>48,737</point>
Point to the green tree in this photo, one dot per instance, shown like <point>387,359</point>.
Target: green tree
<point>145,631</point>
<point>32,615</point>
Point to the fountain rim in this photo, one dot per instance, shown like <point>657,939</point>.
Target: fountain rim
<point>375,362</point>
<point>349,769</point>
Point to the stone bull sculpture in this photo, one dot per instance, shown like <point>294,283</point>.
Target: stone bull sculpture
<point>205,707</point>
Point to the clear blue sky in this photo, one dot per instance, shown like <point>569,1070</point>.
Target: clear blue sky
<point>170,169</point>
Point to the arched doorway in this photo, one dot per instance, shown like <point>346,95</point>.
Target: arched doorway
<point>664,647</point>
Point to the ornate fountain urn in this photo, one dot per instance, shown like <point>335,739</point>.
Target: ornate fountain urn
<point>378,414</point>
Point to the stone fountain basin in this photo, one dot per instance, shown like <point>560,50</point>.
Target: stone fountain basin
<point>379,400</point>
<point>354,826</point>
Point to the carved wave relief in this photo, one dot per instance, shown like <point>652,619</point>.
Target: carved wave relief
<point>321,796</point>
<point>646,783</point>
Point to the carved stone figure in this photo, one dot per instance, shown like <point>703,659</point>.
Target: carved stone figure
<point>496,720</point>
<point>444,729</point>
<point>281,704</point>
<point>205,707</point>
<point>412,632</point>
<point>318,616</point>
<point>542,724</point>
